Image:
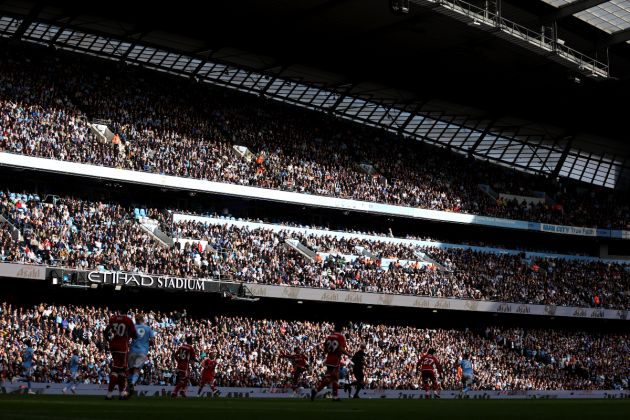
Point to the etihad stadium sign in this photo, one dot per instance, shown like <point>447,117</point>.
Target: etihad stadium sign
<point>118,278</point>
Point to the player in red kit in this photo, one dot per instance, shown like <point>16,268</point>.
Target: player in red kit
<point>208,368</point>
<point>184,355</point>
<point>429,365</point>
<point>117,334</point>
<point>335,348</point>
<point>299,362</point>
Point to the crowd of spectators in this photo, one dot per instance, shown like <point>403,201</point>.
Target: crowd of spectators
<point>248,350</point>
<point>257,255</point>
<point>106,236</point>
<point>174,127</point>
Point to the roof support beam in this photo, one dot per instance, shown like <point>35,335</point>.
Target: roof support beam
<point>571,9</point>
<point>617,38</point>
<point>563,157</point>
<point>485,132</point>
<point>32,14</point>
<point>62,28</point>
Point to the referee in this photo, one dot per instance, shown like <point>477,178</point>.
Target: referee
<point>358,363</point>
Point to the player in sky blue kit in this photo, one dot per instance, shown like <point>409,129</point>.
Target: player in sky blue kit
<point>73,379</point>
<point>467,373</point>
<point>27,364</point>
<point>139,350</point>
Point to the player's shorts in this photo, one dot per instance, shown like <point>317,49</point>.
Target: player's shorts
<point>428,376</point>
<point>467,378</point>
<point>359,375</point>
<point>332,359</point>
<point>206,380</point>
<point>182,376</point>
<point>136,360</point>
<point>332,372</point>
<point>119,360</point>
<point>28,370</point>
<point>74,374</point>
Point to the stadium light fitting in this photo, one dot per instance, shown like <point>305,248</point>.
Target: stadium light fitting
<point>560,41</point>
<point>55,281</point>
<point>117,287</point>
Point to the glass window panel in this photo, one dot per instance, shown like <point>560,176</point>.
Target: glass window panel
<point>255,81</point>
<point>558,3</point>
<point>325,99</point>
<point>275,86</point>
<point>41,31</point>
<point>345,103</point>
<point>9,25</point>
<point>135,52</point>
<point>414,123</point>
<point>612,16</point>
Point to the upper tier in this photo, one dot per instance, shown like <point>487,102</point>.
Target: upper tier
<point>173,127</point>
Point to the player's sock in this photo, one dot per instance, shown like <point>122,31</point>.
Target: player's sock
<point>335,390</point>
<point>178,387</point>
<point>134,378</point>
<point>113,380</point>
<point>122,383</point>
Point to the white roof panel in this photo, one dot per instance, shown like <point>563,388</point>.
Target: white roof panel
<point>610,17</point>
<point>559,3</point>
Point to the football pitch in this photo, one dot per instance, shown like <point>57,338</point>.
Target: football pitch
<point>57,407</point>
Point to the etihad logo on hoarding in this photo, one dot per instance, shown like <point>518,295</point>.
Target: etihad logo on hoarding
<point>33,273</point>
<point>442,304</point>
<point>551,309</point>
<point>422,303</point>
<point>597,313</point>
<point>523,309</point>
<point>504,308</point>
<point>353,297</point>
<point>330,297</point>
<point>291,292</point>
<point>386,299</point>
<point>142,280</point>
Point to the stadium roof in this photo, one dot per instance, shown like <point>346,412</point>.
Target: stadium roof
<point>438,77</point>
<point>612,17</point>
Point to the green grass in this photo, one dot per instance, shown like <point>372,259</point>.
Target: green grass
<point>53,407</point>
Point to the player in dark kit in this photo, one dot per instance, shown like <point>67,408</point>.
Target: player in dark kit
<point>184,355</point>
<point>429,366</point>
<point>299,362</point>
<point>335,348</point>
<point>118,332</point>
<point>358,370</point>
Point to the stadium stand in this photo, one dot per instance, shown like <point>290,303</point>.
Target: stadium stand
<point>71,109</point>
<point>95,235</point>
<point>248,350</point>
<point>164,126</point>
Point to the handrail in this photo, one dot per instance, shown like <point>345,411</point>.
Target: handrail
<point>539,39</point>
